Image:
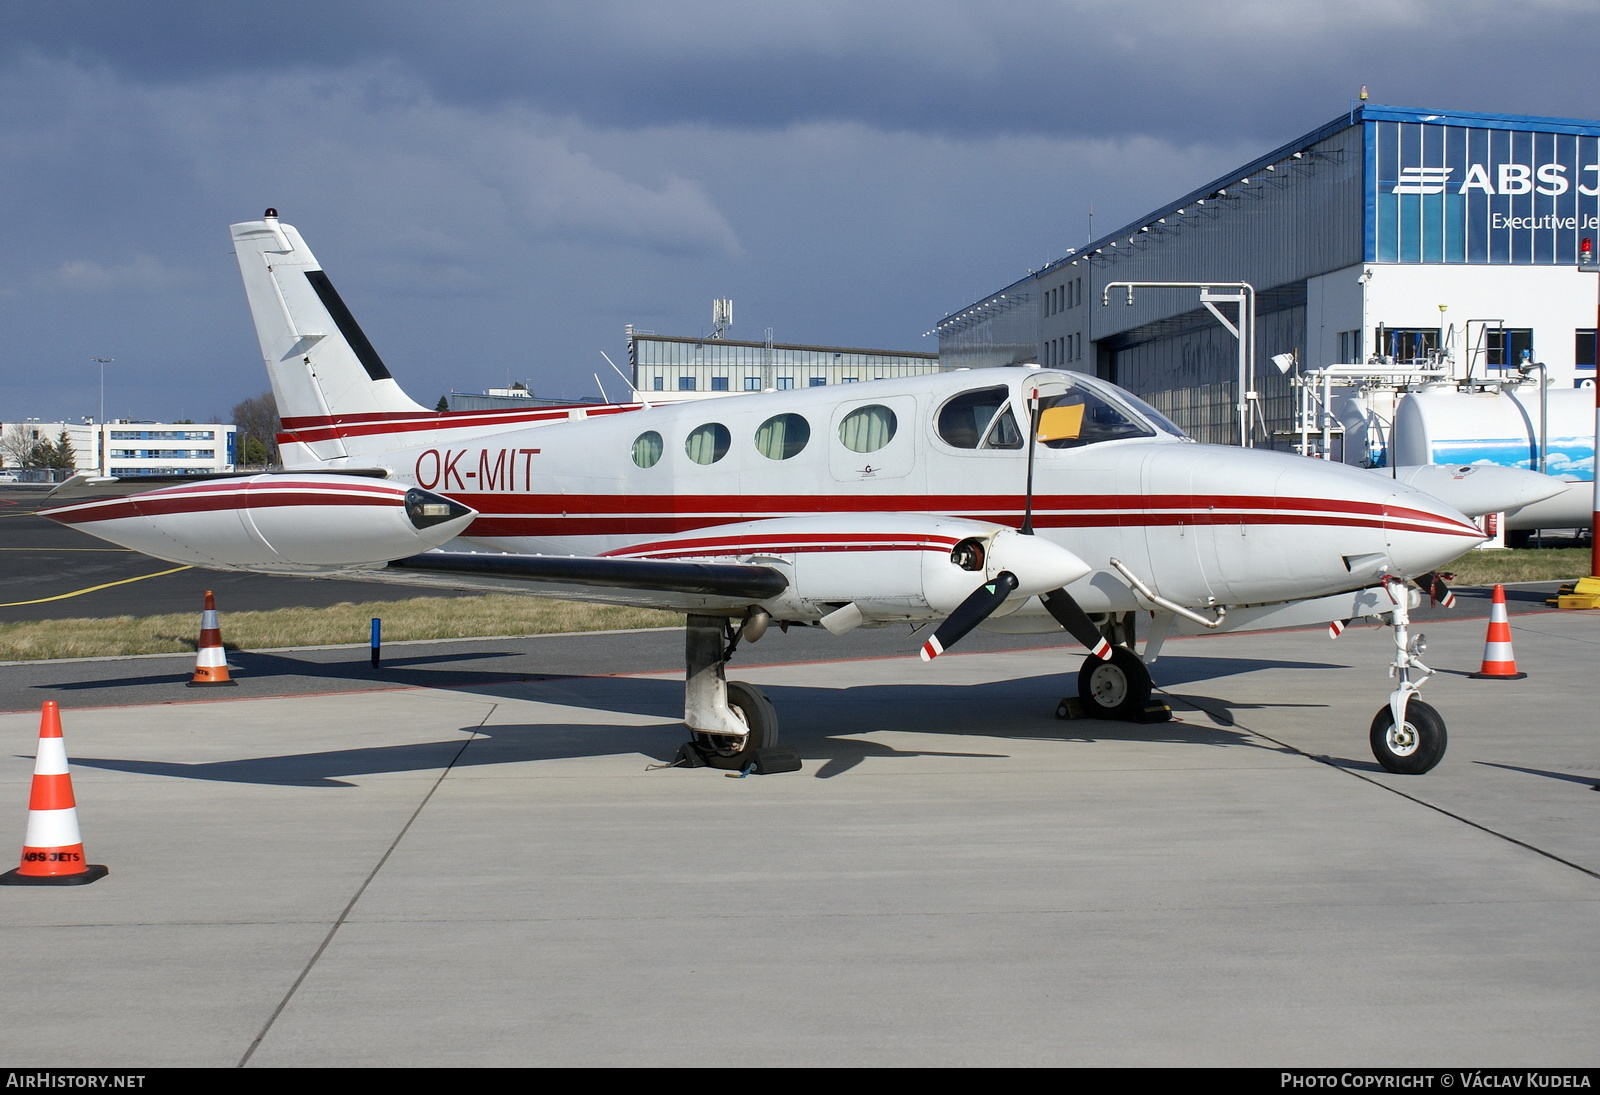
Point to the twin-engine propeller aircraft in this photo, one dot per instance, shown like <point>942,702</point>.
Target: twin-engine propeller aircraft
<point>1019,500</point>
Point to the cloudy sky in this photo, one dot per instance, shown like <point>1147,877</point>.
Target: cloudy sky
<point>498,187</point>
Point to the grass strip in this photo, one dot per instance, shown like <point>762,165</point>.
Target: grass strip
<point>418,618</point>
<point>1482,568</point>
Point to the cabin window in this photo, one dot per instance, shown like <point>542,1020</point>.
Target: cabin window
<point>782,436</point>
<point>965,421</point>
<point>867,429</point>
<point>707,444</point>
<point>647,449</point>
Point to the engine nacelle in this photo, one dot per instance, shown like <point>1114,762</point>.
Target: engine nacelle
<point>890,566</point>
<point>275,524</point>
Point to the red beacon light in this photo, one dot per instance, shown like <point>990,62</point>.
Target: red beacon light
<point>1586,250</point>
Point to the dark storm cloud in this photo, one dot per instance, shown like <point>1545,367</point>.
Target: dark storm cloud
<point>497,188</point>
<point>1083,68</point>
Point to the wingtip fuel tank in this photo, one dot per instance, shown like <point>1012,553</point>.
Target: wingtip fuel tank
<point>286,524</point>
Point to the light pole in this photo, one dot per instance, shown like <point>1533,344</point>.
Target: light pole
<point>1587,264</point>
<point>1244,295</point>
<point>100,425</point>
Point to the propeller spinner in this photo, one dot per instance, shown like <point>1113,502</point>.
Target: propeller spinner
<point>1015,564</point>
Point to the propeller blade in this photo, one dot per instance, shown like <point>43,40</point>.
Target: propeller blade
<point>969,614</point>
<point>1438,592</point>
<point>1070,616</point>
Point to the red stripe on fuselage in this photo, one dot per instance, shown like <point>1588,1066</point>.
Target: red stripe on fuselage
<point>803,541</point>
<point>657,526</point>
<point>589,515</point>
<point>153,507</point>
<point>754,506</point>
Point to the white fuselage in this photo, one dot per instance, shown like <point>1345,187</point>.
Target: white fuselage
<point>1201,524</point>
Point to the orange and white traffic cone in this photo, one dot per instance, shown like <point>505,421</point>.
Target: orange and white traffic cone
<point>1499,664</point>
<point>210,661</point>
<point>52,852</point>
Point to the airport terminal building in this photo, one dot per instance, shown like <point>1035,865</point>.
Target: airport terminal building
<point>1388,232</point>
<point>124,448</point>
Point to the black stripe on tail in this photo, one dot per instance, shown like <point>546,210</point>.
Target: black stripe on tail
<point>348,327</point>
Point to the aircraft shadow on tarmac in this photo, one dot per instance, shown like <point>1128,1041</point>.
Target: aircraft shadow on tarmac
<point>395,672</point>
<point>1567,777</point>
<point>1019,709</point>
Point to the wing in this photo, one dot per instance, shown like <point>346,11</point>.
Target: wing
<point>636,583</point>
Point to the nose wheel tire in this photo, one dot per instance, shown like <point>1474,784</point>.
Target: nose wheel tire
<point>753,709</point>
<point>1413,748</point>
<point>1114,689</point>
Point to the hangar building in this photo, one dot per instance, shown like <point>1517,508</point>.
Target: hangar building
<point>1389,231</point>
<point>668,363</point>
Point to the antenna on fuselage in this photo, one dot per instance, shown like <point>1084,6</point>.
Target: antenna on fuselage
<point>1033,443</point>
<point>619,372</point>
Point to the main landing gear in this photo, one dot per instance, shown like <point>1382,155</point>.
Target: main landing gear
<point>733,725</point>
<point>1116,688</point>
<point>1408,736</point>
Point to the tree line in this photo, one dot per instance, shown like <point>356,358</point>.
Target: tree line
<point>22,447</point>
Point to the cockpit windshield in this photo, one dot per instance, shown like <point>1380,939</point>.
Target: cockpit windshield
<point>1157,419</point>
<point>1083,417</point>
<point>1088,412</point>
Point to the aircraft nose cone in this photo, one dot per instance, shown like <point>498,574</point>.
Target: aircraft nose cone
<point>1421,533</point>
<point>1039,565</point>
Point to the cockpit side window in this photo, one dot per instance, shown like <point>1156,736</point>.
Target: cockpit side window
<point>965,421</point>
<point>1004,433</point>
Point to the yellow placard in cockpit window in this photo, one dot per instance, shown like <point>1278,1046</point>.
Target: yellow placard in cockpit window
<point>1061,423</point>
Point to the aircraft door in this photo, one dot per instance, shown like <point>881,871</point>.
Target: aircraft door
<point>873,439</point>
<point>1173,536</point>
<point>1233,515</point>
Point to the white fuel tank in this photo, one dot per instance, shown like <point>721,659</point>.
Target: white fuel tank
<point>1445,426</point>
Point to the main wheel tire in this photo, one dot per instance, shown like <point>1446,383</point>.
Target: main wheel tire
<point>1114,689</point>
<point>752,708</point>
<point>1413,748</point>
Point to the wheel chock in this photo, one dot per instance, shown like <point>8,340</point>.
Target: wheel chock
<point>1155,711</point>
<point>688,757</point>
<point>774,759</point>
<point>1069,708</point>
<point>762,762</point>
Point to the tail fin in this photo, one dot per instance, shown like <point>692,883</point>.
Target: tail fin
<point>320,362</point>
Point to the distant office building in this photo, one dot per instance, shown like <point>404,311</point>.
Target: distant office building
<point>669,365</point>
<point>1386,236</point>
<point>131,448</point>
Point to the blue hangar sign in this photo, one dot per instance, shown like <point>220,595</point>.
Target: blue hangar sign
<point>1495,189</point>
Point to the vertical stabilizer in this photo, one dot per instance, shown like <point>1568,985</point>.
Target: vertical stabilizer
<point>318,358</point>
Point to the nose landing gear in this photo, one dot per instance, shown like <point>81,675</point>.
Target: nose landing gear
<point>1408,737</point>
